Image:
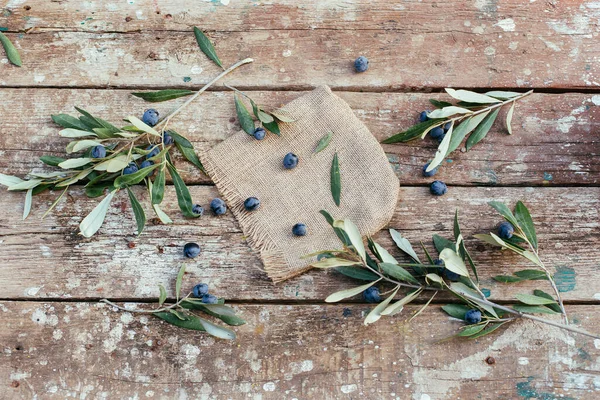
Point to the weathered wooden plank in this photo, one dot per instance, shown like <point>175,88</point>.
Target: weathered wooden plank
<point>64,350</point>
<point>177,15</point>
<point>556,138</point>
<point>47,259</point>
<point>560,56</point>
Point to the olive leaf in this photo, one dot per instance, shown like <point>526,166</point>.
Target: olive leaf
<point>534,309</point>
<point>138,212</point>
<point>397,272</point>
<point>463,130</point>
<point>336,182</point>
<point>184,198</point>
<point>323,142</point>
<point>142,126</point>
<point>441,243</point>
<point>404,245</point>
<point>158,188</point>
<point>74,163</point>
<point>482,129</point>
<point>399,305</point>
<point>282,117</point>
<point>164,218</point>
<point>11,51</point>
<point>206,46</point>
<point>471,97</point>
<point>525,222</point>
<point>76,133</point>
<point>448,112</point>
<point>534,300</point>
<point>53,161</point>
<point>504,211</point>
<point>441,151</point>
<point>413,132</point>
<point>95,219</point>
<point>94,122</point>
<point>162,95</point>
<point>462,250</point>
<point>163,295</point>
<point>27,205</point>
<point>179,281</point>
<point>502,95</point>
<point>244,117</point>
<point>223,312</point>
<point>272,127</point>
<point>453,262</point>
<point>357,273</point>
<point>134,178</point>
<point>456,310</point>
<point>509,116</point>
<point>439,104</point>
<point>355,237</point>
<point>9,180</point>
<point>472,329</point>
<point>334,262</point>
<point>375,314</point>
<point>344,294</point>
<point>67,121</point>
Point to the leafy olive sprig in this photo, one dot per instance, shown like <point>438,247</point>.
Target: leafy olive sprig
<point>449,273</point>
<point>103,156</point>
<point>181,312</point>
<point>474,112</point>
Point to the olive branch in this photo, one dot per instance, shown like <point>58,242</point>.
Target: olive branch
<point>447,274</point>
<point>474,114</point>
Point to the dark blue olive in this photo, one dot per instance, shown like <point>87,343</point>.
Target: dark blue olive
<point>150,117</point>
<point>506,230</point>
<point>251,203</point>
<point>200,290</point>
<point>218,206</point>
<point>191,250</point>
<point>473,316</point>
<point>299,230</point>
<point>371,295</point>
<point>290,161</point>
<point>436,133</point>
<point>130,169</point>
<point>98,151</point>
<point>198,209</point>
<point>438,188</point>
<point>259,133</point>
<point>146,164</point>
<point>423,116</point>
<point>210,299</point>
<point>167,139</point>
<point>430,173</point>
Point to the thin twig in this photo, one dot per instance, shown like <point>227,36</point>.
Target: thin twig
<point>199,92</point>
<point>146,311</point>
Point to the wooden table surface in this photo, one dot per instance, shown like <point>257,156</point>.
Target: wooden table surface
<point>58,342</point>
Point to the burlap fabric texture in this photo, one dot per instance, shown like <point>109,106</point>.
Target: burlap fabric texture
<point>242,167</point>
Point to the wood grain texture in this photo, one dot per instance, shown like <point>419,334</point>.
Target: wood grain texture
<point>556,138</point>
<point>48,259</point>
<point>483,54</point>
<point>64,350</point>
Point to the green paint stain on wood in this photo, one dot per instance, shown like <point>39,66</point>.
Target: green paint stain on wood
<point>565,279</point>
<point>526,391</point>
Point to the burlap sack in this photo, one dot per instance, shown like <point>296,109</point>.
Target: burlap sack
<point>242,167</point>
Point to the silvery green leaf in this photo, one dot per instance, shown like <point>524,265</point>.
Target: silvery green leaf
<point>334,262</point>
<point>434,278</point>
<point>184,198</point>
<point>217,331</point>
<point>138,212</point>
<point>447,112</point>
<point>178,319</point>
<point>453,262</point>
<point>482,129</point>
<point>461,248</point>
<point>134,178</point>
<point>404,245</point>
<point>474,296</point>
<point>533,300</point>
<point>75,178</point>
<point>384,255</point>
<point>95,219</point>
<point>163,295</point>
<point>206,46</point>
<point>471,97</point>
<point>463,130</point>
<point>441,151</point>
<point>53,161</point>
<point>439,104</point>
<point>162,95</point>
<point>244,117</point>
<point>142,126</point>
<point>324,142</point>
<point>457,311</point>
<point>264,117</point>
<point>423,308</point>
<point>526,223</point>
<point>413,132</point>
<point>9,180</point>
<point>399,305</point>
<point>397,272</point>
<point>375,313</point>
<point>158,189</point>
<point>28,201</point>
<point>164,218</point>
<point>272,127</point>
<point>55,203</point>
<point>355,237</point>
<point>179,281</point>
<point>336,180</point>
<point>11,51</point>
<point>357,273</point>
<point>75,133</point>
<point>502,95</point>
<point>471,330</point>
<point>507,278</point>
<point>46,175</point>
<point>25,185</point>
<point>441,243</point>
<point>67,121</point>
<point>94,122</point>
<point>279,114</point>
<point>531,274</point>
<point>509,116</point>
<point>83,145</point>
<point>491,327</point>
<point>116,164</point>
<point>534,309</point>
<point>344,294</point>
<point>75,162</point>
<point>504,211</point>
<point>541,293</point>
<point>126,135</point>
